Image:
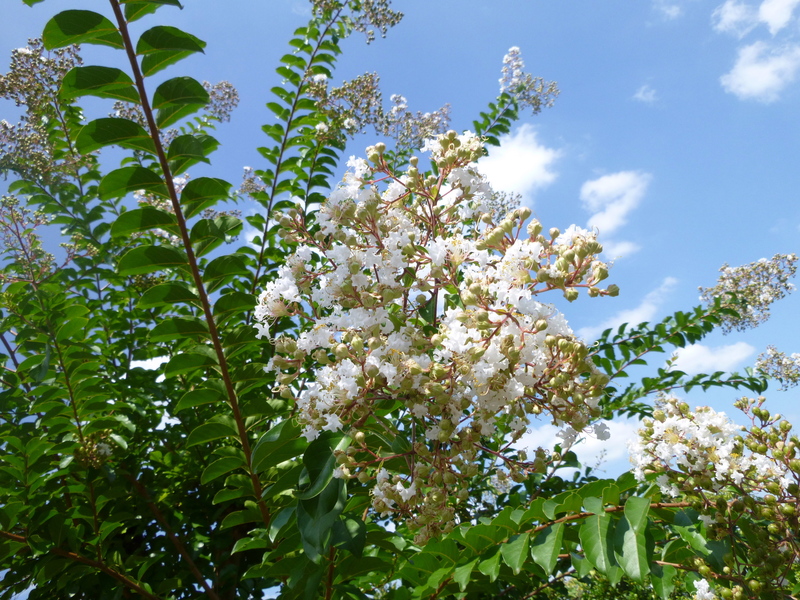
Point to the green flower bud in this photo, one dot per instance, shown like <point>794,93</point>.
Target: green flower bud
<point>571,294</point>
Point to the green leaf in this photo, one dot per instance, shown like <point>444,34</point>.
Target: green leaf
<point>208,234</point>
<point>216,428</point>
<point>317,515</point>
<point>123,181</point>
<point>111,131</point>
<point>70,328</point>
<point>189,361</point>
<point>349,533</point>
<point>636,511</point>
<point>630,550</point>
<point>143,219</point>
<point>80,27</point>
<point>221,270</point>
<point>597,544</point>
<point>515,552</point>
<point>462,574</point>
<point>167,294</point>
<point>188,150</point>
<point>491,566</point>
<point>547,546</point>
<point>282,442</point>
<point>103,82</point>
<point>661,577</point>
<point>199,397</point>
<point>319,464</point>
<point>177,328</point>
<point>146,259</point>
<point>177,98</point>
<point>234,303</point>
<point>201,193</point>
<point>136,9</point>
<point>163,46</point>
<point>220,467</point>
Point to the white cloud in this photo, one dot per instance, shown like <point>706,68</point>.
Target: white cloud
<point>614,250</point>
<point>776,13</point>
<point>698,358</point>
<point>761,72</point>
<point>734,17</point>
<point>591,451</point>
<point>645,311</point>
<point>645,94</point>
<point>520,164</point>
<point>611,197</point>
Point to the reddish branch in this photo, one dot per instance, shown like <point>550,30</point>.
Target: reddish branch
<point>191,258</point>
<point>101,566</point>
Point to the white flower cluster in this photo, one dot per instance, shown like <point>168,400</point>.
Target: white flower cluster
<point>778,365</point>
<point>751,289</point>
<point>704,446</point>
<point>421,308</point>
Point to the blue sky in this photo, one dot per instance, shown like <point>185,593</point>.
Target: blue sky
<point>676,133</point>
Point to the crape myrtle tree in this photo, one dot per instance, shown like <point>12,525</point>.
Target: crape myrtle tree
<point>338,412</point>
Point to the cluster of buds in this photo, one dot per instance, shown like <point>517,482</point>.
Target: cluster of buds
<point>422,313</point>
<point>744,482</point>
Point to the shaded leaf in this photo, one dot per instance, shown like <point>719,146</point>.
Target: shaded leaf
<point>144,219</point>
<point>220,467</point>
<point>167,293</point>
<point>136,9</point>
<point>177,98</point>
<point>188,150</point>
<point>113,131</point>
<point>146,259</point>
<point>80,27</point>
<point>163,46</point>
<point>103,82</point>
<point>179,327</point>
<point>201,193</point>
<point>214,429</point>
<point>123,181</point>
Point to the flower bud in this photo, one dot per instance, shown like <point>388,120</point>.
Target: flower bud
<point>571,294</point>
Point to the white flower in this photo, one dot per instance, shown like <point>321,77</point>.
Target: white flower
<point>702,591</point>
<point>103,449</point>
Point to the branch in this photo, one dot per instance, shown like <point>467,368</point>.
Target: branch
<point>121,577</point>
<point>176,541</point>
<point>191,258</point>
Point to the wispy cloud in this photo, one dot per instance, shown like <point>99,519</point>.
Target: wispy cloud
<point>645,311</point>
<point>734,17</point>
<point>667,9</point>
<point>611,197</point>
<point>762,71</point>
<point>645,94</point>
<point>521,164</point>
<point>698,358</point>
